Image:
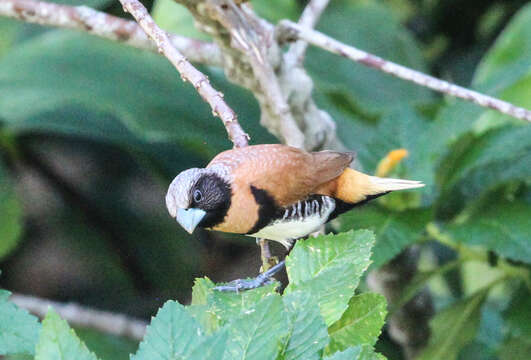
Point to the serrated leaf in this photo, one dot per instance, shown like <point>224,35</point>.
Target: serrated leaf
<point>360,324</point>
<point>329,267</point>
<point>503,227</point>
<point>57,341</point>
<point>10,214</point>
<point>19,331</point>
<point>174,334</point>
<point>228,305</point>
<point>257,333</point>
<point>394,230</point>
<point>307,331</point>
<point>453,328</point>
<point>360,352</point>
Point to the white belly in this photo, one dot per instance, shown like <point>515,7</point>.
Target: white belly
<point>292,227</point>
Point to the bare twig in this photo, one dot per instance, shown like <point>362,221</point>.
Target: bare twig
<point>188,72</point>
<point>292,31</point>
<point>76,315</point>
<point>103,25</point>
<point>309,18</point>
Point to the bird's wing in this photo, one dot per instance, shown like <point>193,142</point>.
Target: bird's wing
<point>287,174</point>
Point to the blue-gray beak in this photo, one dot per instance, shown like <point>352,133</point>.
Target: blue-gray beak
<point>189,218</point>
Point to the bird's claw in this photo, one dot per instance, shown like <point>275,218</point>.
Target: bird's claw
<point>262,279</point>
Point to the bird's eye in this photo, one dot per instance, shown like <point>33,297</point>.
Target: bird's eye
<point>198,196</point>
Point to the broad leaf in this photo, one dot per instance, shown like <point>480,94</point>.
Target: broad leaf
<point>480,164</point>
<point>85,86</point>
<point>19,330</point>
<point>360,324</point>
<point>394,230</point>
<point>453,328</point>
<point>257,333</point>
<point>10,214</point>
<point>202,287</point>
<point>377,31</point>
<point>307,330</point>
<point>174,334</point>
<point>57,341</point>
<point>503,227</point>
<point>360,352</point>
<point>504,72</point>
<point>228,305</point>
<point>329,268</point>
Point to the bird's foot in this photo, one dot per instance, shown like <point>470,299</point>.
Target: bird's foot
<point>248,284</point>
<point>268,263</point>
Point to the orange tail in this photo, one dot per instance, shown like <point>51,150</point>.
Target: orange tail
<point>353,186</point>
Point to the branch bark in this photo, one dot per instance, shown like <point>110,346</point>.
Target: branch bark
<point>188,72</point>
<point>309,18</point>
<point>80,316</point>
<point>110,27</point>
<point>290,31</point>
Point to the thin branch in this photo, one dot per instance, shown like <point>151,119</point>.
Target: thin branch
<point>103,25</point>
<point>291,31</point>
<point>309,18</point>
<point>188,72</point>
<point>79,316</point>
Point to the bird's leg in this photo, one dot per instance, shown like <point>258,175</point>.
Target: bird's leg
<point>248,284</point>
<point>268,261</point>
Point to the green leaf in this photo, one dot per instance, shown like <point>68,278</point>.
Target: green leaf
<point>501,226</point>
<point>377,31</point>
<point>228,305</point>
<point>19,331</point>
<point>329,267</point>
<point>504,72</point>
<point>453,328</point>
<point>80,85</point>
<point>394,230</point>
<point>202,287</point>
<point>511,48</point>
<point>176,18</point>
<point>174,334</point>
<point>275,10</point>
<point>480,164</point>
<point>360,324</point>
<point>107,346</point>
<point>10,214</point>
<point>257,333</point>
<point>307,331</point>
<point>57,341</point>
<point>518,313</point>
<point>360,352</point>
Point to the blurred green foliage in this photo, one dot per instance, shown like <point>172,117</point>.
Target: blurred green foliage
<point>91,133</point>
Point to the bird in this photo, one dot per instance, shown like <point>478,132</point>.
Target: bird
<point>274,192</point>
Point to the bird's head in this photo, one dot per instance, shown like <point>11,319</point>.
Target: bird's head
<point>199,197</point>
